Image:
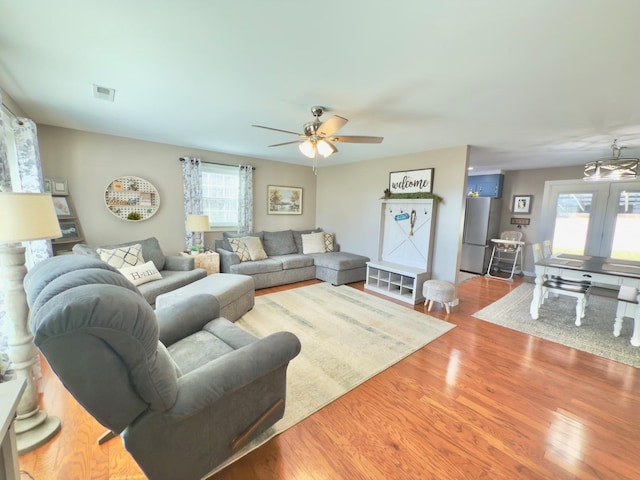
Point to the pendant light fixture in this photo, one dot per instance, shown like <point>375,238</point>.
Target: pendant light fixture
<point>612,168</point>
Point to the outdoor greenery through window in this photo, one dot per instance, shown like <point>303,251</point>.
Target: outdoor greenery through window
<point>220,195</point>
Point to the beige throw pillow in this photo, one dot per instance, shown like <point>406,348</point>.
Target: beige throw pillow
<point>140,274</point>
<point>313,243</point>
<point>254,245</point>
<point>120,257</point>
<point>240,249</point>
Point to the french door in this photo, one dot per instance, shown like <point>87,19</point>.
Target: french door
<point>592,218</point>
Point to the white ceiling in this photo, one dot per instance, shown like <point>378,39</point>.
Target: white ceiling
<point>527,83</point>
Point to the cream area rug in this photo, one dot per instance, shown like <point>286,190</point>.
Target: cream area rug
<point>347,337</point>
<point>556,323</point>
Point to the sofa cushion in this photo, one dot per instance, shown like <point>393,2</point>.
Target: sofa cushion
<point>268,265</point>
<point>279,243</point>
<point>313,243</point>
<point>128,256</point>
<point>254,245</point>
<point>339,260</point>
<point>143,273</point>
<point>170,281</point>
<point>294,260</point>
<point>328,242</point>
<point>297,237</point>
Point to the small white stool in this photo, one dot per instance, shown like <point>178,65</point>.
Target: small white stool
<point>438,291</point>
<point>628,307</point>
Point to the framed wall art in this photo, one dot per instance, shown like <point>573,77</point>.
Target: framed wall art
<point>411,181</point>
<point>522,204</point>
<point>62,207</point>
<point>284,200</point>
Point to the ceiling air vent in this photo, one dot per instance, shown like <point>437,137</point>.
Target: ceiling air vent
<point>103,93</point>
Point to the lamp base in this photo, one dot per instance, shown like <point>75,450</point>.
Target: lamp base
<point>35,431</point>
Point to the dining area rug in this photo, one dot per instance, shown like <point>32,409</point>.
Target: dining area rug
<point>556,323</point>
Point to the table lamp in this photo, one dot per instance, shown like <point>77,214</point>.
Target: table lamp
<point>24,217</point>
<point>198,224</point>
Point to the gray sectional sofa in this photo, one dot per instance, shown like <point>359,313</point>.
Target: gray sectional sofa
<point>177,271</point>
<point>286,262</point>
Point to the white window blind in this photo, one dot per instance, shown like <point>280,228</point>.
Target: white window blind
<point>220,195</point>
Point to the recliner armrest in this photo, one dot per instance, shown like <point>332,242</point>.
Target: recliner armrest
<point>210,382</point>
<point>186,317</point>
<point>179,263</point>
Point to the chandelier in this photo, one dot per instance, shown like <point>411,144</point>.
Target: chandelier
<point>612,168</point>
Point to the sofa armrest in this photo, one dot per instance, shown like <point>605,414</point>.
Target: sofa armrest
<point>179,263</point>
<point>186,317</point>
<point>210,382</point>
<point>227,259</point>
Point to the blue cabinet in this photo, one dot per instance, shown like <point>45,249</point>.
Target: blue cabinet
<point>486,185</point>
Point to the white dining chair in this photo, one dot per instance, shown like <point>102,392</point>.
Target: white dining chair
<point>628,307</point>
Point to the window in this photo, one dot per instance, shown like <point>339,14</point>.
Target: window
<point>220,195</point>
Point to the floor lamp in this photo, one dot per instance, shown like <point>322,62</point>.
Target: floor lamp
<point>198,224</point>
<point>24,217</point>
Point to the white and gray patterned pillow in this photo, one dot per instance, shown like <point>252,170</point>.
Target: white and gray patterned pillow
<point>254,245</point>
<point>128,256</point>
<point>240,249</point>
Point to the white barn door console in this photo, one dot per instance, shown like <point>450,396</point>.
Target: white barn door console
<point>404,250</point>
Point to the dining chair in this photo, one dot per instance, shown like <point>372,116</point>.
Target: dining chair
<point>547,250</point>
<point>560,286</point>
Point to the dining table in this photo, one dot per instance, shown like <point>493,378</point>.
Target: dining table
<point>608,272</point>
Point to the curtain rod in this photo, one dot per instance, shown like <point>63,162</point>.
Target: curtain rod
<point>215,163</point>
<point>20,122</point>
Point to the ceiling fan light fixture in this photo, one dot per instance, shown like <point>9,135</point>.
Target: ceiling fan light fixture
<point>325,148</point>
<point>308,149</point>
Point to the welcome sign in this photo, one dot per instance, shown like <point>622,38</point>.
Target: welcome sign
<point>411,181</point>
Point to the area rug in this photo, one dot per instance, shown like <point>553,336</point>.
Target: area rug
<point>556,323</point>
<point>463,277</point>
<point>347,337</point>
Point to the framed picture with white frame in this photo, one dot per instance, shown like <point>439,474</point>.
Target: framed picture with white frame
<point>522,204</point>
<point>284,200</point>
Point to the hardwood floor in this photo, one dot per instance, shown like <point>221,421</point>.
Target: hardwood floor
<point>480,402</point>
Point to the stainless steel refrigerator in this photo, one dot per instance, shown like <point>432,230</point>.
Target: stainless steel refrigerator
<point>481,224</point>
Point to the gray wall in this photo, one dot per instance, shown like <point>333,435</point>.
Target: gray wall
<point>349,203</point>
<point>89,162</point>
<point>531,182</point>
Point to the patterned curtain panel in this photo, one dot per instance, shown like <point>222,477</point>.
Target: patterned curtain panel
<point>245,199</point>
<point>27,177</point>
<point>192,187</point>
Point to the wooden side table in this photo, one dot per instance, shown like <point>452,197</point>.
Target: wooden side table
<point>210,261</point>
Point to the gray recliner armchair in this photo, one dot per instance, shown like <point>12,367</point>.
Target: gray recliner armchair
<point>184,388</point>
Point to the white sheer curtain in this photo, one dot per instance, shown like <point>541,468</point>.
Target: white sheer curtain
<point>245,199</point>
<point>192,188</point>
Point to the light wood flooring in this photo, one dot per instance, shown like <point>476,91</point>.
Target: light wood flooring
<point>480,402</point>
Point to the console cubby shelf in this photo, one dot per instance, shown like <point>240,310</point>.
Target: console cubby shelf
<point>397,281</point>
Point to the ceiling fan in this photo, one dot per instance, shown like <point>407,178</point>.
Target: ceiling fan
<point>318,137</point>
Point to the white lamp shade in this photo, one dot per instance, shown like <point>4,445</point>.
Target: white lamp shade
<point>197,223</point>
<point>27,216</point>
<point>325,148</point>
<point>307,148</point>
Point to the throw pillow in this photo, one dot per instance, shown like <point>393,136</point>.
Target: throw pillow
<point>240,249</point>
<point>127,256</point>
<point>313,243</point>
<point>140,274</point>
<point>297,237</point>
<point>254,245</point>
<point>328,242</point>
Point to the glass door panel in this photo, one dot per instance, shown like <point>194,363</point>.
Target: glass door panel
<point>625,212</point>
<point>571,229</point>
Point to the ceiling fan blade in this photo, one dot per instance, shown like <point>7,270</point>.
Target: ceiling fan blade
<point>356,139</point>
<point>280,130</point>
<point>285,143</point>
<point>331,125</point>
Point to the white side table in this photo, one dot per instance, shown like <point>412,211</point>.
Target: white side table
<point>10,393</point>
